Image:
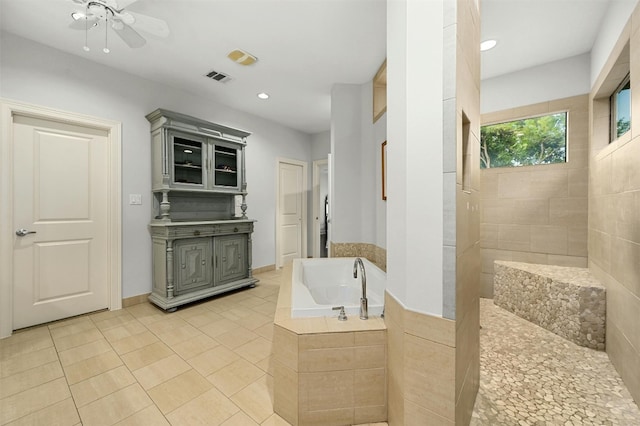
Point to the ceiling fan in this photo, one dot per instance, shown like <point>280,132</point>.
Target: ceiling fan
<point>112,14</point>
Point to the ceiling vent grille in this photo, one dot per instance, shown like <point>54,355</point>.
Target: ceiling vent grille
<point>218,76</point>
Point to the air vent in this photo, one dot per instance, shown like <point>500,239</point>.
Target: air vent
<point>218,76</point>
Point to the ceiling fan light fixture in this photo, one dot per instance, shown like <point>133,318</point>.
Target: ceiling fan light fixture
<point>241,57</point>
<point>488,44</point>
<point>78,16</point>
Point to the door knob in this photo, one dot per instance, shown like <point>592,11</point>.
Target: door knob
<point>22,232</point>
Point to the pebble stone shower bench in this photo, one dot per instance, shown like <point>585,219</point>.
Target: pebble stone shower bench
<point>567,301</point>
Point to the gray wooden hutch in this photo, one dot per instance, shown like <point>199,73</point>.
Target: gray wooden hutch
<point>200,247</point>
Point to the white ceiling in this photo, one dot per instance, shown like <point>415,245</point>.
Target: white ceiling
<point>303,46</point>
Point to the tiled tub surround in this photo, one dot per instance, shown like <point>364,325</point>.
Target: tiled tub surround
<point>372,252</point>
<point>325,371</point>
<point>567,301</point>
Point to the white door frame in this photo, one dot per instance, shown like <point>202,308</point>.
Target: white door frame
<point>318,207</point>
<point>281,160</point>
<point>114,215</point>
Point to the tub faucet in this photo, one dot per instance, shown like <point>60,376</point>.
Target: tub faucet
<point>364,304</point>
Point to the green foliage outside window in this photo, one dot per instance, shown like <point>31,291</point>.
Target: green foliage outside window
<point>526,142</point>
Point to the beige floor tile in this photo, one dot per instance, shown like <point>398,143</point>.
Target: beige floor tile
<point>236,313</point>
<point>31,400</point>
<point>24,336</point>
<point>217,328</point>
<point>203,318</point>
<point>161,371</point>
<point>128,329</point>
<point>27,361</point>
<point>82,352</point>
<point>194,346</point>
<point>178,391</point>
<point>255,400</point>
<point>71,326</point>
<point>268,308</point>
<point>266,365</point>
<point>167,323</point>
<point>136,341</point>
<point>255,350</point>
<point>114,321</point>
<point>240,419</point>
<point>101,385</point>
<point>146,313</point>
<point>275,420</point>
<point>30,378</point>
<point>209,409</point>
<point>29,342</point>
<point>146,355</point>
<point>115,407</point>
<point>91,367</point>
<point>72,340</point>
<point>213,360</point>
<point>265,331</point>
<point>149,416</point>
<point>235,376</point>
<point>251,301</point>
<point>62,413</point>
<point>254,321</point>
<point>178,334</point>
<point>236,338</point>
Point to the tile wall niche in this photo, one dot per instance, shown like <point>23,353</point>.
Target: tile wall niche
<point>614,203</point>
<point>537,214</point>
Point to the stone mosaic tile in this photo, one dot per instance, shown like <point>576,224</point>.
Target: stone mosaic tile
<point>568,301</point>
<point>530,376</point>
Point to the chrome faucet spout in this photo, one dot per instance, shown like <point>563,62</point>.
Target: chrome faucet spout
<point>364,304</point>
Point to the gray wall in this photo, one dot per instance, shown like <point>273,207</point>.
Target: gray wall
<point>37,74</point>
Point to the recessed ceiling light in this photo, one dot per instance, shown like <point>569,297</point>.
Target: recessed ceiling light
<point>488,44</point>
<point>263,95</point>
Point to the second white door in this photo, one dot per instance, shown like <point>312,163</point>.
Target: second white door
<point>291,211</point>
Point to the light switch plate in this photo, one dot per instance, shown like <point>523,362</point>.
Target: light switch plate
<point>135,199</point>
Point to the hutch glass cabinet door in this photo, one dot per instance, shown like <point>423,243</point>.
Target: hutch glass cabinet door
<point>189,161</point>
<point>226,166</point>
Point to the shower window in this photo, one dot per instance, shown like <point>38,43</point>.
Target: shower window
<point>621,109</point>
<point>524,142</point>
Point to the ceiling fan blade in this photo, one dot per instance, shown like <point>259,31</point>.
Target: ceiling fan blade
<point>148,24</point>
<point>82,24</point>
<point>128,35</point>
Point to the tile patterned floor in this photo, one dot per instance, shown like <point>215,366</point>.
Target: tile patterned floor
<point>530,376</point>
<point>209,364</point>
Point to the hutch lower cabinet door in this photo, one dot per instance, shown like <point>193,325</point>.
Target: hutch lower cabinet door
<point>192,265</point>
<point>231,258</point>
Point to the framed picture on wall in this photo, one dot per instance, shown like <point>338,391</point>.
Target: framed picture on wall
<point>384,170</point>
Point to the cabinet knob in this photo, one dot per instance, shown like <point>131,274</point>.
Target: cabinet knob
<point>203,262</point>
<point>196,233</point>
<point>235,229</point>
<point>184,266</point>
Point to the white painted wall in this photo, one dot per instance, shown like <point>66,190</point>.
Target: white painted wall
<point>555,80</point>
<point>34,73</point>
<point>414,128</point>
<point>618,14</point>
<point>320,145</point>
<point>346,136</point>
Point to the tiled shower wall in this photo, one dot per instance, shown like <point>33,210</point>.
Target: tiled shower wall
<point>614,208</point>
<point>537,214</point>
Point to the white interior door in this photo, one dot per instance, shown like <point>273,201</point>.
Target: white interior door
<point>60,187</point>
<point>291,211</point>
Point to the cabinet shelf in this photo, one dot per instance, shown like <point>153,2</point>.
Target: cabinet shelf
<point>228,154</point>
<point>225,171</point>
<point>182,145</point>
<point>189,166</point>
